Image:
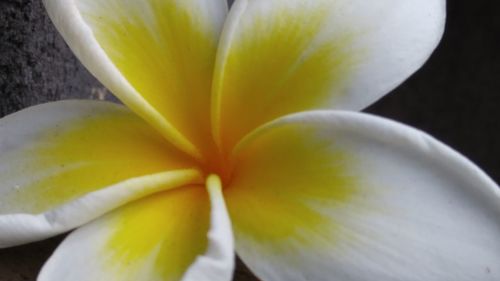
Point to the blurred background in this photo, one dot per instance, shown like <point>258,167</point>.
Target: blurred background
<point>454,97</point>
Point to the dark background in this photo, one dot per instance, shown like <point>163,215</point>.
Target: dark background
<point>454,97</point>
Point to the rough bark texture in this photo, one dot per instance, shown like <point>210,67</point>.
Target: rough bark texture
<point>455,97</point>
<point>35,64</point>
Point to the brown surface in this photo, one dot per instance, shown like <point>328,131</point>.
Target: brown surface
<point>455,97</point>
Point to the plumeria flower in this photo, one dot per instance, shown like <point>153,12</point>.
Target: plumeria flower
<point>234,126</point>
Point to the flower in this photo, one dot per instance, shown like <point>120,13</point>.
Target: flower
<point>230,132</point>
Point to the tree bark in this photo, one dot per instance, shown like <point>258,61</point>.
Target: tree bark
<point>36,66</point>
<point>454,97</point>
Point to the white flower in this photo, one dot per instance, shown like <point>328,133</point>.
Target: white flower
<point>235,126</point>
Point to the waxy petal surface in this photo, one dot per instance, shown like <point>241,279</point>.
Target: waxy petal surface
<point>283,56</point>
<point>64,163</point>
<point>218,261</point>
<point>162,237</point>
<point>348,196</point>
<point>157,56</point>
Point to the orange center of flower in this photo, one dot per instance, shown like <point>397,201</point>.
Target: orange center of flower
<point>218,162</point>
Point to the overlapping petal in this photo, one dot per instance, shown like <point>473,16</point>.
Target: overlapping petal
<point>348,196</point>
<point>283,56</point>
<point>162,237</point>
<point>65,163</point>
<point>157,56</point>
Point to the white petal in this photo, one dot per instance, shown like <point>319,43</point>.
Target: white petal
<point>156,238</point>
<point>283,56</point>
<point>157,57</point>
<point>65,163</point>
<point>218,261</point>
<point>352,197</point>
<point>16,229</point>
